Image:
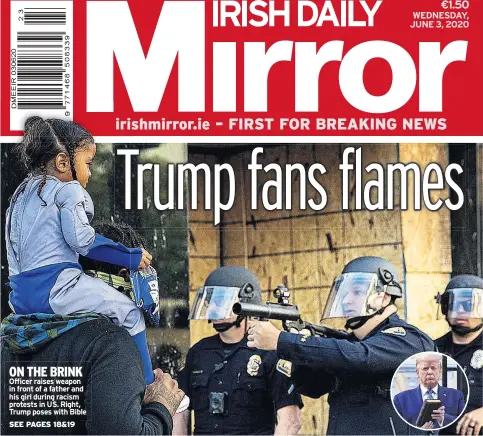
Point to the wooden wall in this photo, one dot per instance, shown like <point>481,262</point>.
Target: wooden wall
<point>204,252</point>
<point>427,247</point>
<point>306,250</point>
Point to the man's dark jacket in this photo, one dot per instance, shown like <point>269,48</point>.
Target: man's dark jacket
<point>112,379</point>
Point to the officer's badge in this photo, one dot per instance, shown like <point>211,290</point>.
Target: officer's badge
<point>304,338</point>
<point>477,359</point>
<point>398,331</point>
<point>285,367</point>
<point>253,364</point>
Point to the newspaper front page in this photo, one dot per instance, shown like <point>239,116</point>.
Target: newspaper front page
<point>241,217</point>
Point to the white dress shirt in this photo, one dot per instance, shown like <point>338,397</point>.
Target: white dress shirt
<point>424,390</point>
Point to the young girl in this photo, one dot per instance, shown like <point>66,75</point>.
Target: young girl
<point>48,226</point>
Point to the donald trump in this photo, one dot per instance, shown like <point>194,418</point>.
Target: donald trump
<point>408,403</point>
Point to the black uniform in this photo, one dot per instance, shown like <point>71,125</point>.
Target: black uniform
<point>255,385</point>
<point>470,357</point>
<point>356,374</point>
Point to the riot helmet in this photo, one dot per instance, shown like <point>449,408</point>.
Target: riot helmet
<point>224,287</point>
<point>358,293</point>
<point>463,300</point>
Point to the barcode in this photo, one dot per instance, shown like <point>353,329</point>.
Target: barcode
<point>41,60</point>
<point>40,71</point>
<point>45,16</point>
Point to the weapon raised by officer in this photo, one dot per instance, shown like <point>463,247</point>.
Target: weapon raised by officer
<point>287,313</point>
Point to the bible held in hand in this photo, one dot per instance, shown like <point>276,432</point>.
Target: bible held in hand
<point>427,409</point>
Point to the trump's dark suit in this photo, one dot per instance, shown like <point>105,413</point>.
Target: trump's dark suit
<point>408,404</point>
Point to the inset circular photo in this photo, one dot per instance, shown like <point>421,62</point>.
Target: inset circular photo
<point>429,391</point>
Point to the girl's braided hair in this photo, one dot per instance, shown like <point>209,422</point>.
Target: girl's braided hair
<point>117,232</point>
<point>44,139</point>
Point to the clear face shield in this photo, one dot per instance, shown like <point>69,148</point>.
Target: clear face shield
<point>354,294</point>
<point>463,303</point>
<point>214,302</point>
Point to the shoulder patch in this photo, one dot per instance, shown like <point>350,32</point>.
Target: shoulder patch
<point>398,331</point>
<point>284,367</point>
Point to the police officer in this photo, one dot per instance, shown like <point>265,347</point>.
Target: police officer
<point>234,389</point>
<point>462,304</point>
<point>357,372</point>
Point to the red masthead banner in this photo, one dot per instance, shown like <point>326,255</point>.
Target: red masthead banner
<point>245,68</point>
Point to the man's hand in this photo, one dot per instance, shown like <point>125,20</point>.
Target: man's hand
<point>164,390</point>
<point>305,332</point>
<point>124,273</point>
<point>438,415</point>
<point>263,335</point>
<point>145,260</point>
<point>428,425</point>
<point>470,423</point>
<point>288,421</point>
